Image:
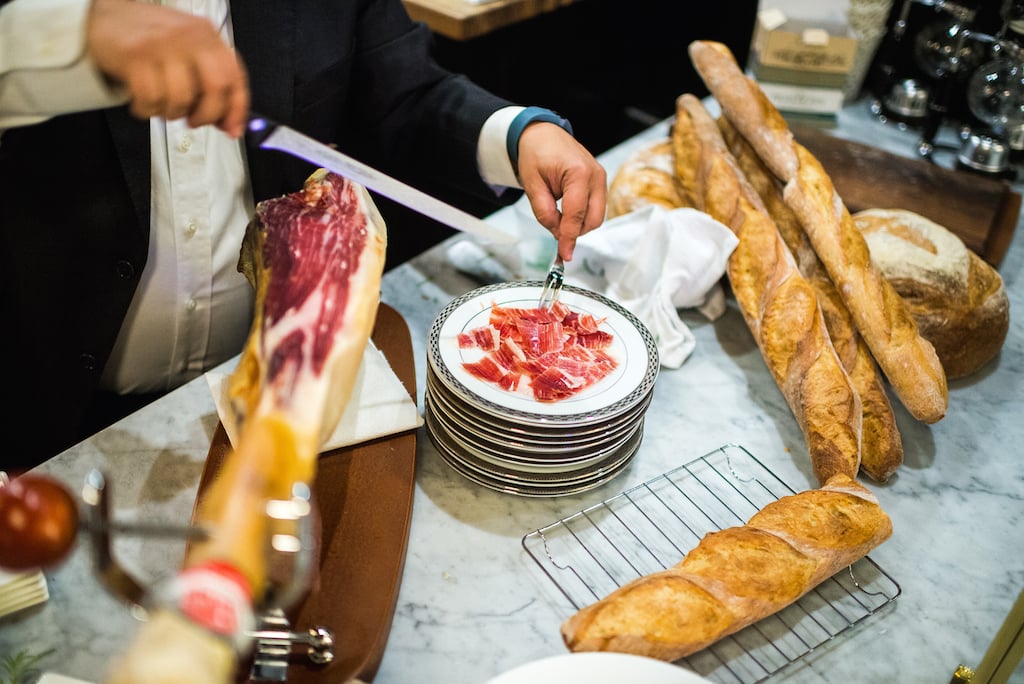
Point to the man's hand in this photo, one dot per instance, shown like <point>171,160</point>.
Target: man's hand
<point>553,166</point>
<point>172,64</point>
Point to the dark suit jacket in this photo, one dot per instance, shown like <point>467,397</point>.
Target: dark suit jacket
<point>75,190</point>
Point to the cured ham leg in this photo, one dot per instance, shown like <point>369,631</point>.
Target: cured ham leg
<point>315,258</point>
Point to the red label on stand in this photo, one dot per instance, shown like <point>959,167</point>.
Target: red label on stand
<point>216,597</point>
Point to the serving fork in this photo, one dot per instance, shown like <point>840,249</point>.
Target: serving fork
<point>552,284</point>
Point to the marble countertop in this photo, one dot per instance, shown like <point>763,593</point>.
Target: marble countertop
<point>473,604</point>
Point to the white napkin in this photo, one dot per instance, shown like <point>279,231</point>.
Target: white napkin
<point>379,406</point>
<point>654,261</point>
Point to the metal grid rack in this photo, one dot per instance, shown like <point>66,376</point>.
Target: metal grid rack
<point>651,527</point>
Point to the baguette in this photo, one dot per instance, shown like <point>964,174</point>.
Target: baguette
<point>737,576</point>
<point>908,361</point>
<point>777,302</point>
<point>881,446</point>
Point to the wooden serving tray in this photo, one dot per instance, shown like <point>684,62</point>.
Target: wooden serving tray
<point>364,496</point>
<point>982,211</point>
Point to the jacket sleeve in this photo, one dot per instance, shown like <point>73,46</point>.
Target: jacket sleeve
<point>43,67</point>
<point>422,121</point>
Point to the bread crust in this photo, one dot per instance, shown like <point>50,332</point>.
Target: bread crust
<point>646,178</point>
<point>777,302</point>
<point>958,301</point>
<point>736,577</point>
<point>881,445</point>
<point>908,360</point>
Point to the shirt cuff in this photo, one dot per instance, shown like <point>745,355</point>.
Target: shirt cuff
<point>507,124</point>
<point>42,34</point>
<point>492,151</point>
<point>43,67</point>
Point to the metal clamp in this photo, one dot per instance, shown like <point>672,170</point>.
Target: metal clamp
<point>275,642</point>
<point>291,534</point>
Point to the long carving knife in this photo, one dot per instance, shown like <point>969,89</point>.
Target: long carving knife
<point>270,135</point>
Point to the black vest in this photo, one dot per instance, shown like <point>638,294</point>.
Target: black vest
<point>66,281</point>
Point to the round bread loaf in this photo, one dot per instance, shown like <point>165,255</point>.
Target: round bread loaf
<point>647,177</point>
<point>956,298</point>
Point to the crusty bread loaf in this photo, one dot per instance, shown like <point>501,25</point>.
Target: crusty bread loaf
<point>736,577</point>
<point>956,298</point>
<point>908,361</point>
<point>881,451</point>
<point>646,178</point>
<point>777,302</point>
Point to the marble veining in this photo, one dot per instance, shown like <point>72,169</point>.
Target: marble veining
<point>473,604</point>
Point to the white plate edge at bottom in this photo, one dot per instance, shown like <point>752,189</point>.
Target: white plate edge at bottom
<point>598,668</point>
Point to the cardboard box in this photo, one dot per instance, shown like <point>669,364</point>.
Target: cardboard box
<point>818,79</point>
<point>803,99</point>
<point>785,43</point>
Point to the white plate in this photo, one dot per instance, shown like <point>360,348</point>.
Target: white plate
<point>544,438</point>
<point>594,466</point>
<point>491,479</point>
<point>633,347</point>
<point>509,446</point>
<point>598,668</point>
<point>494,452</point>
<point>52,678</point>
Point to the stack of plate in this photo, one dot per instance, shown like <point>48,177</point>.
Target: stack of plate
<point>511,442</point>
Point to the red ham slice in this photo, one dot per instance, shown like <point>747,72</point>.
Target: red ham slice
<point>558,352</point>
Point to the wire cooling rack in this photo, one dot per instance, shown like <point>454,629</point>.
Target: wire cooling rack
<point>651,527</point>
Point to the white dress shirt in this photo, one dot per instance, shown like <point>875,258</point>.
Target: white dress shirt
<point>192,309</point>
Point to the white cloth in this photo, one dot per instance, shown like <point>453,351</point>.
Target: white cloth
<point>379,406</point>
<point>654,261</point>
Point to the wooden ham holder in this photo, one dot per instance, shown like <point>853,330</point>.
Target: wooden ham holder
<point>363,496</point>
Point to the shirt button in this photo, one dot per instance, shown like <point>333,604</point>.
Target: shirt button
<point>185,143</point>
<point>88,362</point>
<point>125,269</point>
<point>191,228</point>
<point>190,304</point>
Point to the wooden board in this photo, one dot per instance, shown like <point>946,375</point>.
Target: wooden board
<point>981,210</point>
<point>364,496</point>
<point>462,20</point>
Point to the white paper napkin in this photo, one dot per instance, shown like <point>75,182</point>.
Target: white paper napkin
<point>654,261</point>
<point>379,406</point>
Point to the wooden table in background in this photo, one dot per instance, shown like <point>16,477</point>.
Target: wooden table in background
<point>462,20</point>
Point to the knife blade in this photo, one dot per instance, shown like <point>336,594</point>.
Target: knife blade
<point>270,135</point>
